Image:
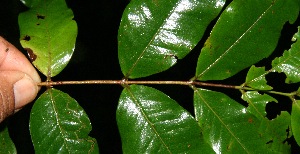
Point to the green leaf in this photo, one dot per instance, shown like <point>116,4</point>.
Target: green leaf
<point>256,78</point>
<point>277,132</point>
<point>289,63</point>
<point>295,120</point>
<point>59,125</point>
<point>273,131</point>
<point>246,32</point>
<point>6,144</point>
<point>151,122</point>
<point>257,103</point>
<point>227,126</point>
<point>48,33</point>
<point>154,34</point>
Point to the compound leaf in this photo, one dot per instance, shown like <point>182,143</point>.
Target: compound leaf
<point>289,63</point>
<point>59,125</point>
<point>6,144</point>
<point>243,35</point>
<point>48,33</point>
<point>256,78</point>
<point>153,34</point>
<point>226,125</point>
<point>151,122</point>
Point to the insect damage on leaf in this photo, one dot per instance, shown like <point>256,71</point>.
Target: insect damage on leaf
<point>40,16</point>
<point>26,38</point>
<point>31,55</point>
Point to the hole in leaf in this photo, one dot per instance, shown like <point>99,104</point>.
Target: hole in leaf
<point>279,84</point>
<point>288,131</point>
<point>269,142</point>
<point>38,24</point>
<point>26,38</point>
<point>40,16</point>
<point>272,110</point>
<point>284,43</point>
<point>295,148</point>
<point>31,55</point>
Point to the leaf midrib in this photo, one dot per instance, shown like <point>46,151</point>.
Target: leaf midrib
<point>57,119</point>
<point>222,122</point>
<point>236,42</point>
<point>135,100</point>
<point>151,41</point>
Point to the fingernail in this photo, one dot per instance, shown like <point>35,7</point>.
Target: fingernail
<point>25,91</point>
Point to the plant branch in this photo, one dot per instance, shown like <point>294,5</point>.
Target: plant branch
<point>127,82</point>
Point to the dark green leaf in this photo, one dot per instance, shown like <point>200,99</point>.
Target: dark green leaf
<point>153,34</point>
<point>277,131</point>
<point>48,33</point>
<point>246,32</point>
<point>256,78</point>
<point>295,120</point>
<point>289,63</point>
<point>151,122</point>
<point>273,131</point>
<point>59,125</point>
<point>6,144</point>
<point>227,126</point>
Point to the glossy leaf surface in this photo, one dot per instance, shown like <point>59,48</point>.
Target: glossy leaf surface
<point>226,125</point>
<point>48,33</point>
<point>273,131</point>
<point>151,122</point>
<point>257,103</point>
<point>154,34</point>
<point>246,32</point>
<point>295,120</point>
<point>6,144</point>
<point>289,63</point>
<point>59,125</point>
<point>256,78</point>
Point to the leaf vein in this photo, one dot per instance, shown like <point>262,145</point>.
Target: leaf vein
<point>236,42</point>
<point>221,121</point>
<point>147,119</point>
<point>150,42</point>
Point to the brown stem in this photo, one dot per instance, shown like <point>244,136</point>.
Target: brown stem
<point>126,82</point>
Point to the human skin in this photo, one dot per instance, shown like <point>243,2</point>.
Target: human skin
<point>18,80</point>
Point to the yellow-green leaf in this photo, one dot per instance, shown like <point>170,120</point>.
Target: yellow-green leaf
<point>48,33</point>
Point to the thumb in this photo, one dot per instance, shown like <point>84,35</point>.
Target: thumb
<point>16,90</point>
